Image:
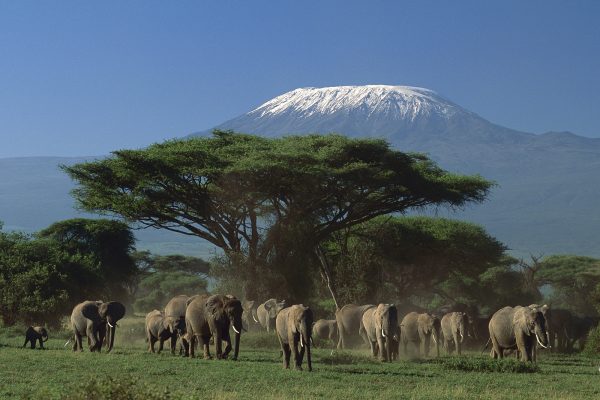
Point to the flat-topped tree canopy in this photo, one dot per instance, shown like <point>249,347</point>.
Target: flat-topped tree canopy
<point>233,189</point>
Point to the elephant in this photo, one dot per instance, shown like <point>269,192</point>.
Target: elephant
<point>380,325</point>
<point>293,325</point>
<point>209,317</point>
<point>96,320</point>
<point>578,331</point>
<point>517,328</point>
<point>34,334</point>
<point>249,316</point>
<point>454,324</point>
<point>160,328</point>
<point>267,312</point>
<point>560,322</point>
<point>419,329</point>
<point>348,320</point>
<point>175,315</point>
<point>325,329</point>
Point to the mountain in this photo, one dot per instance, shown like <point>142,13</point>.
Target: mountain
<point>548,185</point>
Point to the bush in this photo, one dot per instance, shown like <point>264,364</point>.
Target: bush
<point>469,364</point>
<point>117,389</point>
<point>592,344</point>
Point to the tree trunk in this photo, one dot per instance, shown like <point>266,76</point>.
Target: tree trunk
<point>326,274</point>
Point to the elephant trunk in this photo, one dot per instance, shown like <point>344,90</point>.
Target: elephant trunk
<point>45,337</point>
<point>308,356</point>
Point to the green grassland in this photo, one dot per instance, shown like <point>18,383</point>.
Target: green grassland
<point>130,372</point>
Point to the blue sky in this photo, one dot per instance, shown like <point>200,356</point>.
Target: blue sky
<point>85,78</point>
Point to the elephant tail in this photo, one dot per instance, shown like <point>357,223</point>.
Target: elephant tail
<point>486,345</point>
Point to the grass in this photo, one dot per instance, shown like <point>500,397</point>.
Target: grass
<point>130,372</point>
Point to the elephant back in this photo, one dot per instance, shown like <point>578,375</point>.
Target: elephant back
<point>176,307</point>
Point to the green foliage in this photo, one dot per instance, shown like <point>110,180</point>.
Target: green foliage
<point>156,289</point>
<point>396,257</point>
<point>575,282</point>
<point>116,389</point>
<point>43,277</point>
<point>107,244</point>
<point>476,364</point>
<point>265,202</point>
<point>164,276</point>
<point>592,344</point>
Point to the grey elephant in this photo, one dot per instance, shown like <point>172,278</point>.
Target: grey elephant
<point>348,319</point>
<point>380,325</point>
<point>249,316</point>
<point>34,334</point>
<point>96,320</point>
<point>420,329</point>
<point>211,317</point>
<point>160,328</point>
<point>455,326</point>
<point>267,312</point>
<point>517,328</point>
<point>293,326</point>
<point>175,316</point>
<point>325,329</point>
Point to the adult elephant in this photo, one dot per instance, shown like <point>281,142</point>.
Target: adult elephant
<point>96,320</point>
<point>420,329</point>
<point>517,328</point>
<point>325,329</point>
<point>348,320</point>
<point>210,317</point>
<point>249,316</point>
<point>160,328</point>
<point>293,326</point>
<point>380,325</point>
<point>267,312</point>
<point>175,317</point>
<point>560,322</point>
<point>454,329</point>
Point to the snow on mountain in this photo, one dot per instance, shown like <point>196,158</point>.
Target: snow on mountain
<point>396,102</point>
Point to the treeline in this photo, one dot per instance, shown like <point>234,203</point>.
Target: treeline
<point>42,276</point>
<point>312,219</point>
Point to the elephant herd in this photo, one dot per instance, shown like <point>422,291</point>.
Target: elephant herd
<point>385,328</point>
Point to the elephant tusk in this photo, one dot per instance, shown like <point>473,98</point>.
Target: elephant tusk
<point>301,342</point>
<point>433,337</point>
<point>382,333</point>
<point>235,330</point>
<point>254,318</point>
<point>462,338</point>
<point>540,343</point>
<point>68,341</point>
<point>109,324</point>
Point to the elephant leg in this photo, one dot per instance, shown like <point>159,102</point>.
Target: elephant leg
<point>497,351</point>
<point>456,342</point>
<point>219,346</point>
<point>41,343</point>
<point>161,342</point>
<point>382,349</point>
<point>373,349</point>
<point>301,356</point>
<point>78,345</point>
<point>228,347</point>
<point>287,352</point>
<point>206,347</point>
<point>296,353</point>
<point>173,343</point>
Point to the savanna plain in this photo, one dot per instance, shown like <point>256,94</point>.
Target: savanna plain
<point>131,372</point>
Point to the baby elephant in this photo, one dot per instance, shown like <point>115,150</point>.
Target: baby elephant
<point>35,333</point>
<point>160,328</point>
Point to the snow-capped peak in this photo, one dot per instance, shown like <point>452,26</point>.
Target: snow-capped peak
<point>398,102</point>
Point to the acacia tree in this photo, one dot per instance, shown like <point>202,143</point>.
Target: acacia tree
<point>399,257</point>
<point>247,194</point>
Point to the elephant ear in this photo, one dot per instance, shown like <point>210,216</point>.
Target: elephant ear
<point>90,310</point>
<point>113,308</point>
<point>214,305</point>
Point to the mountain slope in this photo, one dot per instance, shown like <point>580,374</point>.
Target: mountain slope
<point>548,186</point>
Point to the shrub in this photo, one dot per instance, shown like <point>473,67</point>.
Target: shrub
<point>592,344</point>
<point>117,389</point>
<point>509,365</point>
